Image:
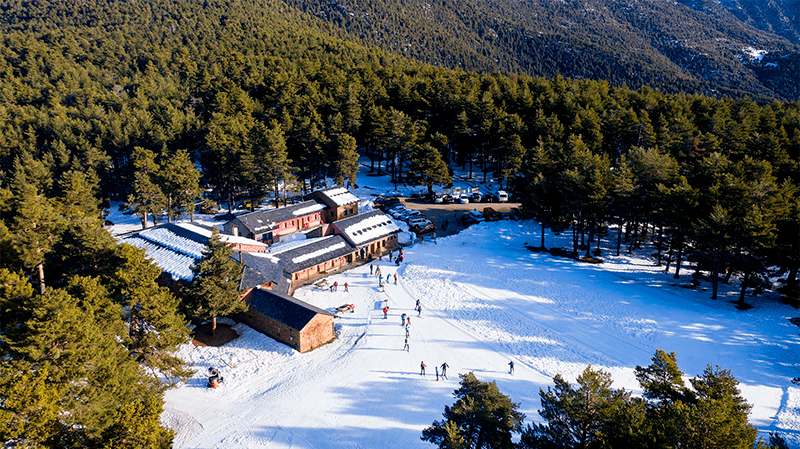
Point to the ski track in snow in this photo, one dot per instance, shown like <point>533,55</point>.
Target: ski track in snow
<point>486,300</point>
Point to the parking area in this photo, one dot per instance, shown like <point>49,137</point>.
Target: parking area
<point>451,213</point>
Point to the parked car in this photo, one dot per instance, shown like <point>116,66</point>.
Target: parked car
<point>417,219</point>
<point>423,227</point>
<point>472,217</point>
<point>502,196</point>
<point>410,213</point>
<point>490,198</point>
<point>397,212</point>
<point>385,203</point>
<point>438,198</point>
<point>491,215</point>
<point>476,197</point>
<point>515,214</point>
<point>463,198</point>
<point>447,199</point>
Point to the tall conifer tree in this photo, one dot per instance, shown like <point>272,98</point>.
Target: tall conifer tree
<point>215,289</point>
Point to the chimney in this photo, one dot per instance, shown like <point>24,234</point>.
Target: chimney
<point>235,231</point>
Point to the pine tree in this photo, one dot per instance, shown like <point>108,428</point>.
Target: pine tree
<point>29,405</point>
<point>662,382</point>
<point>85,361</point>
<point>16,299</point>
<point>138,424</point>
<point>718,417</point>
<point>215,288</point>
<point>482,417</point>
<point>155,326</point>
<point>180,182</point>
<point>271,155</point>
<point>591,415</point>
<point>427,167</point>
<point>511,154</point>
<point>542,196</point>
<point>34,228</point>
<point>85,247</point>
<point>146,197</point>
<point>344,158</point>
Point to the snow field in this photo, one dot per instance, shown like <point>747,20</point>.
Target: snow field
<point>486,300</point>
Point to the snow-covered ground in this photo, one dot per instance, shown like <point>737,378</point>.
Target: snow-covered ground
<point>486,301</point>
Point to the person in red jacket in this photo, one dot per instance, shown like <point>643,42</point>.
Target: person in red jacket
<point>385,312</point>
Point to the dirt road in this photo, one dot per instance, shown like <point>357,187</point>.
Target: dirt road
<point>451,213</point>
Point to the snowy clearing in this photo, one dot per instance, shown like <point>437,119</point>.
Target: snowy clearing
<point>486,300</point>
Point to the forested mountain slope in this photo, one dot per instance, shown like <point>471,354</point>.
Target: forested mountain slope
<point>781,17</point>
<point>696,46</point>
<point>118,99</point>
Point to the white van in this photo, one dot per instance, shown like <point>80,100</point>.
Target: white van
<point>502,196</point>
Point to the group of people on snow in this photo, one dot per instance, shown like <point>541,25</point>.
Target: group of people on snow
<point>444,367</point>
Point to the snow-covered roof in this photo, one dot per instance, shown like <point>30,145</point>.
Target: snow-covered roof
<point>164,236</point>
<point>308,209</point>
<point>178,265</point>
<point>175,246</point>
<point>367,227</point>
<point>339,196</point>
<point>319,253</point>
<point>205,232</point>
<point>261,221</point>
<point>294,258</point>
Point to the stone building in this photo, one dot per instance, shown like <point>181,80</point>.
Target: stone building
<point>288,320</point>
<point>339,202</point>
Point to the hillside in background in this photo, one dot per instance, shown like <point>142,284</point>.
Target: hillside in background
<point>733,48</point>
<point>781,17</point>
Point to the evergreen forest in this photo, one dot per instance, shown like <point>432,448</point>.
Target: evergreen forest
<point>152,102</point>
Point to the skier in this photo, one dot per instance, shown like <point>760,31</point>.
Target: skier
<point>402,319</point>
<point>407,335</point>
<point>370,268</point>
<point>345,287</point>
<point>417,305</point>
<point>406,347</point>
<point>336,286</point>
<point>380,279</point>
<point>390,255</point>
<point>444,370</point>
<point>511,367</point>
<point>437,373</point>
<point>419,311</point>
<point>385,312</point>
<point>395,279</point>
<point>408,321</point>
<point>422,368</point>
